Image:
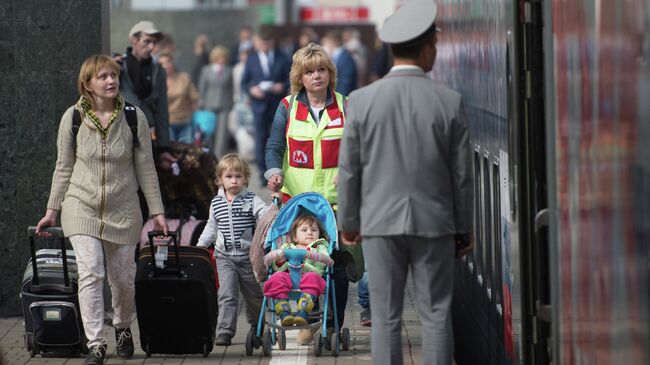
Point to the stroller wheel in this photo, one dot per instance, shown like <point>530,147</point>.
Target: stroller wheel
<point>318,344</point>
<point>266,343</point>
<point>328,340</point>
<point>345,339</point>
<point>334,344</point>
<point>282,340</point>
<point>250,343</point>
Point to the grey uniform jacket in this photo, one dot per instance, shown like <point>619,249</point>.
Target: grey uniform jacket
<point>154,106</point>
<point>216,90</point>
<point>405,163</point>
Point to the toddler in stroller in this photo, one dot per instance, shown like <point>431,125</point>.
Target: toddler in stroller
<point>300,242</point>
<point>306,234</point>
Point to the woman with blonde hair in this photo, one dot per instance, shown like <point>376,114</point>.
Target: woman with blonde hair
<point>216,93</point>
<point>99,168</point>
<point>303,149</point>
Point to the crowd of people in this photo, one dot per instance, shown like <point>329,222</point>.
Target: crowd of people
<point>311,133</point>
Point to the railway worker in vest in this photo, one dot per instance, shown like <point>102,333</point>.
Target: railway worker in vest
<point>413,128</point>
<point>303,148</point>
<point>233,216</point>
<point>95,187</point>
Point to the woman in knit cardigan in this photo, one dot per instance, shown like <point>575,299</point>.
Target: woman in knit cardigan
<point>95,186</point>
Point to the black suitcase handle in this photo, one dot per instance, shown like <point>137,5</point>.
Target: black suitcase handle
<point>58,232</point>
<point>174,236</point>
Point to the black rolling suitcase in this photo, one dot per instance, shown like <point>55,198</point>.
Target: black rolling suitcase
<point>175,298</point>
<point>53,326</point>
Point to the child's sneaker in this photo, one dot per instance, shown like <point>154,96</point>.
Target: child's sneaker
<point>301,318</point>
<point>306,302</point>
<point>305,306</point>
<point>283,310</point>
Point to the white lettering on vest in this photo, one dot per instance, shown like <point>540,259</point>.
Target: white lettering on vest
<point>334,123</point>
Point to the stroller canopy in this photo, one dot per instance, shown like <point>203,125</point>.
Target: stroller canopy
<point>312,203</point>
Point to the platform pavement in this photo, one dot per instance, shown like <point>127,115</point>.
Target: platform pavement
<point>14,353</point>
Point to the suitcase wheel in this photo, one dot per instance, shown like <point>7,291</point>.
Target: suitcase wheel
<point>205,350</point>
<point>147,351</point>
<point>31,345</point>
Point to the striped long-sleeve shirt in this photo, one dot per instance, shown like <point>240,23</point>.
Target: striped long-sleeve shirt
<point>231,225</point>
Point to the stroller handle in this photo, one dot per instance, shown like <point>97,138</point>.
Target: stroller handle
<point>300,254</point>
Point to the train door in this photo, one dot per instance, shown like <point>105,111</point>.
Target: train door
<point>532,192</point>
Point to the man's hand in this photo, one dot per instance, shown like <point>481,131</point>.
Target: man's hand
<point>166,160</point>
<point>277,88</point>
<point>257,92</point>
<point>465,250</point>
<point>351,238</point>
<point>275,183</point>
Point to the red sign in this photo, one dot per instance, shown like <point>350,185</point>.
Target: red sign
<point>332,14</point>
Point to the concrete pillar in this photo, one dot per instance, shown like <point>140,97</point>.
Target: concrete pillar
<point>42,45</point>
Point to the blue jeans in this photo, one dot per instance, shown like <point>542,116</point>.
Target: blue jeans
<point>362,290</point>
<point>181,132</point>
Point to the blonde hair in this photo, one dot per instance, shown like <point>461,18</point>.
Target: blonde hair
<point>219,51</point>
<point>310,57</point>
<point>309,219</point>
<point>234,162</point>
<point>90,68</point>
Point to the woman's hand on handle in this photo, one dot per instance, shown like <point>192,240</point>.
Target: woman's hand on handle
<point>275,183</point>
<point>160,224</point>
<point>49,220</point>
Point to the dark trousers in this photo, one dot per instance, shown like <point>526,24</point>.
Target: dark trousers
<point>263,122</point>
<point>341,283</point>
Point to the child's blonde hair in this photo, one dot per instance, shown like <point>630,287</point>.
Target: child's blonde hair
<point>306,218</point>
<point>234,162</point>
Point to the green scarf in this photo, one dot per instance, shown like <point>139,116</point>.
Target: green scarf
<point>87,108</point>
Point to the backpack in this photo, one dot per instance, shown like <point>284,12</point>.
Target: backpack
<point>131,119</point>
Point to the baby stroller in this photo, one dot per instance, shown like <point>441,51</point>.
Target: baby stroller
<point>333,340</point>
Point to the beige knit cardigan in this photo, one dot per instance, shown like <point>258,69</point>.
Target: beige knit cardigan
<point>96,191</point>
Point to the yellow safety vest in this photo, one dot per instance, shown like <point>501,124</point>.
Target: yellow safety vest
<point>312,153</point>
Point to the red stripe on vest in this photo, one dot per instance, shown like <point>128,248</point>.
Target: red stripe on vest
<point>302,112</point>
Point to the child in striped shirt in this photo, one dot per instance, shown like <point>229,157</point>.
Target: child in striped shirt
<point>230,227</point>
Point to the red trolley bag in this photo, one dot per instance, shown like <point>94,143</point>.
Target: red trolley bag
<point>176,298</point>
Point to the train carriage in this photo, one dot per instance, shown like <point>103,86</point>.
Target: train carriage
<point>554,93</point>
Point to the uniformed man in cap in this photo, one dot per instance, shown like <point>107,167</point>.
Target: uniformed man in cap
<point>405,185</point>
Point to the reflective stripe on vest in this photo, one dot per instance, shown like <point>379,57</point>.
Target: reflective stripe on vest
<point>312,153</point>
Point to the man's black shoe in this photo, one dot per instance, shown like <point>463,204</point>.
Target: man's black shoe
<point>96,355</point>
<point>124,341</point>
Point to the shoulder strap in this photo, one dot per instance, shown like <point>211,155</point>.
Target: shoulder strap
<point>76,123</point>
<point>132,120</point>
